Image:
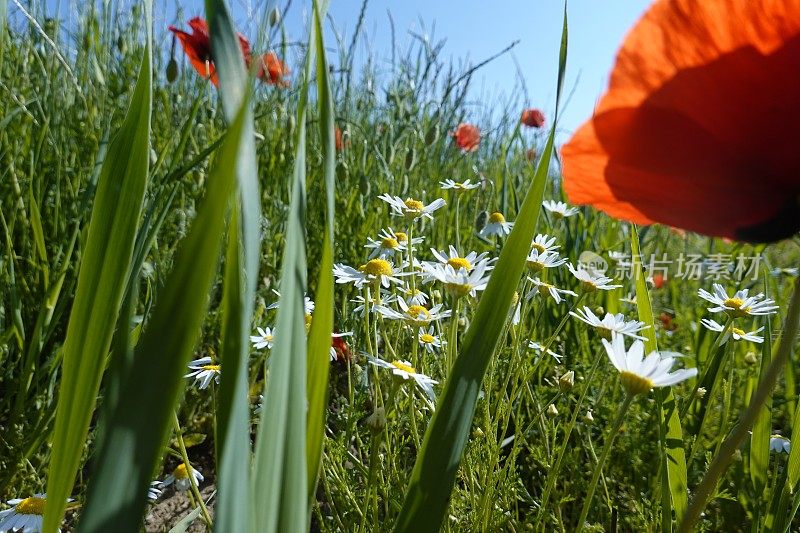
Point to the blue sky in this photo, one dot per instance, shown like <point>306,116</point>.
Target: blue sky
<point>473,30</point>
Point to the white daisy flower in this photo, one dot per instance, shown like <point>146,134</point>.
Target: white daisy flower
<point>610,323</point>
<point>592,281</point>
<point>404,370</point>
<point>308,303</point>
<point>639,374</point>
<point>360,301</point>
<point>333,353</point>
<point>411,208</point>
<point>25,515</point>
<point>415,315</point>
<point>779,444</point>
<point>538,261</point>
<point>543,243</point>
<point>738,305</point>
<point>496,225</point>
<point>413,296</point>
<point>458,187</point>
<point>458,282</point>
<point>203,371</point>
<point>180,476</point>
<point>738,334</point>
<point>454,259</point>
<point>545,289</point>
<point>154,491</point>
<point>264,339</point>
<point>538,348</point>
<point>375,271</point>
<point>429,340</point>
<point>389,243</point>
<point>559,209</point>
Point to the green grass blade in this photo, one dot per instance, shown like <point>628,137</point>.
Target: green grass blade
<point>437,463</point>
<point>233,509</point>
<point>281,468</point>
<point>762,428</point>
<point>101,285</point>
<point>670,433</point>
<point>138,428</point>
<point>319,340</point>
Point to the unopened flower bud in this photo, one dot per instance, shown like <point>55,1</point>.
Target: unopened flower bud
<point>274,16</point>
<point>700,392</point>
<point>377,420</point>
<point>750,358</point>
<point>552,412</point>
<point>566,382</point>
<point>172,70</point>
<point>588,416</point>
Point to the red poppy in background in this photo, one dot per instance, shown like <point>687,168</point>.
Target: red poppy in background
<point>533,118</point>
<point>659,280</point>
<point>340,141</point>
<point>467,137</point>
<point>197,46</point>
<point>698,128</point>
<point>273,70</point>
<point>342,349</point>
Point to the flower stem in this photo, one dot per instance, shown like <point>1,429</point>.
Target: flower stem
<point>587,502</point>
<point>453,339</point>
<point>185,457</point>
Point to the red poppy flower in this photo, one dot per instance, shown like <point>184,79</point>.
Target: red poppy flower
<point>659,280</point>
<point>273,70</point>
<point>533,118</point>
<point>467,137</point>
<point>667,321</point>
<point>530,154</point>
<point>197,46</point>
<point>343,353</point>
<point>339,140</point>
<point>698,127</point>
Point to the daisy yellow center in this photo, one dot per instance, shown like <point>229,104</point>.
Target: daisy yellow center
<point>390,243</point>
<point>32,505</point>
<point>458,289</point>
<point>401,237</point>
<point>536,266</point>
<point>378,267</point>
<point>404,367</point>
<point>213,368</point>
<point>414,205</point>
<point>417,311</point>
<point>738,331</point>
<point>307,320</point>
<point>736,309</point>
<point>427,338</point>
<point>538,247</point>
<point>634,383</point>
<point>544,289</point>
<point>497,218</point>
<point>459,262</point>
<point>588,286</point>
<point>181,472</point>
<point>604,332</point>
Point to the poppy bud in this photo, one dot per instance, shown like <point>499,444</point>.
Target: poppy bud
<point>432,135</point>
<point>410,159</point>
<point>364,185</point>
<point>172,70</point>
<point>480,220</point>
<point>274,17</point>
<point>377,420</point>
<point>121,45</point>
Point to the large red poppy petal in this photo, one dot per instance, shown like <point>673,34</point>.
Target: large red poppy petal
<point>696,129</point>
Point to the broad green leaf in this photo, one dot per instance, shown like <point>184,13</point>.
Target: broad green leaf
<point>139,426</point>
<point>183,525</point>
<point>234,509</point>
<point>670,434</point>
<point>319,339</point>
<point>102,279</point>
<point>281,466</point>
<point>437,463</point>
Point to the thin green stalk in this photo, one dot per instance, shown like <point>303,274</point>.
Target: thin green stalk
<point>185,458</point>
<point>587,502</point>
